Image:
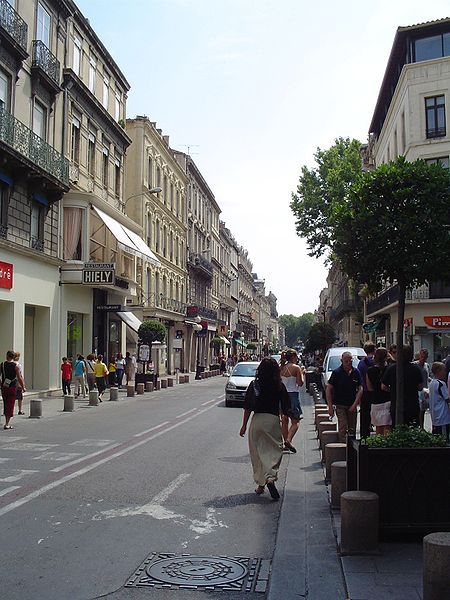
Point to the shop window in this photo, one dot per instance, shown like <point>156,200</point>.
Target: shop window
<point>74,334</point>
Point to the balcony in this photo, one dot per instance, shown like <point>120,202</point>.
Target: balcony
<point>46,66</point>
<point>169,304</point>
<point>36,244</point>
<point>346,306</point>
<point>13,30</point>
<point>389,296</point>
<point>21,143</point>
<point>200,264</point>
<point>202,312</point>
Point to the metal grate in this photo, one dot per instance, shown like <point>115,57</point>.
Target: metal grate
<point>209,573</point>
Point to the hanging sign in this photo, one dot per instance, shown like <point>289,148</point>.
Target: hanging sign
<point>438,322</point>
<point>6,275</point>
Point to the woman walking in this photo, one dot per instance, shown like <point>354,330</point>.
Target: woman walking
<point>11,377</point>
<point>292,377</point>
<point>101,372</point>
<point>380,401</point>
<point>266,397</point>
<point>120,369</point>
<point>90,375</point>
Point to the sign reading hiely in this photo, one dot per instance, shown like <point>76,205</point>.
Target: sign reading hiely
<point>438,322</point>
<point>6,275</point>
<point>99,273</point>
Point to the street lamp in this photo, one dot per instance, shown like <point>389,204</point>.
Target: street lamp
<point>153,190</point>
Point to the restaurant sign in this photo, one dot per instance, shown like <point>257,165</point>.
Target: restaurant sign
<point>99,273</point>
<point>438,322</point>
<point>6,275</point>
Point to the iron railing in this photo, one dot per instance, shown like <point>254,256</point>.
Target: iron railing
<point>3,232</point>
<point>160,301</point>
<point>45,60</point>
<point>19,137</point>
<point>36,244</point>
<point>201,311</point>
<point>200,262</point>
<point>13,24</point>
<point>390,296</point>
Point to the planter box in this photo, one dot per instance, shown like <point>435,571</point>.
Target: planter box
<point>413,485</point>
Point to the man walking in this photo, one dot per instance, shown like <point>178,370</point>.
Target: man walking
<point>344,390</point>
<point>426,378</point>
<point>364,411</point>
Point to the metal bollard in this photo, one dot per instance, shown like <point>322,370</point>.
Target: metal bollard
<point>140,388</point>
<point>69,404</point>
<point>35,408</point>
<point>130,391</point>
<point>149,386</point>
<point>436,566</point>
<point>93,398</point>
<point>113,393</point>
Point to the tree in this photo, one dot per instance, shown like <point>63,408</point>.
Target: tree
<point>151,331</point>
<point>217,343</point>
<point>320,337</point>
<point>394,227</point>
<point>296,328</point>
<point>322,188</point>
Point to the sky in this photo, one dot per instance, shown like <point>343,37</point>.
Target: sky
<point>253,87</point>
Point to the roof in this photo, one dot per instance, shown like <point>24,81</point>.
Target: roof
<point>398,57</point>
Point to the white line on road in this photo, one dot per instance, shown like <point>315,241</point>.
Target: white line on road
<point>151,429</point>
<point>209,401</point>
<point>87,468</point>
<point>19,473</point>
<point>188,412</point>
<point>83,458</point>
<point>10,489</point>
<point>167,491</point>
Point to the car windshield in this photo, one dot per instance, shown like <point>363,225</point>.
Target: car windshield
<point>335,361</point>
<point>243,370</point>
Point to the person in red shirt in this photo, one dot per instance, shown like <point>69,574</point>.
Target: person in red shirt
<point>66,372</point>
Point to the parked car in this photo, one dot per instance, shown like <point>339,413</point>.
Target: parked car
<point>333,361</point>
<point>240,377</point>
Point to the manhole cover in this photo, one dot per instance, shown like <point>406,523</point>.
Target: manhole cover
<point>175,571</point>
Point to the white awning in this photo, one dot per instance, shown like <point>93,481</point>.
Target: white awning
<point>131,320</point>
<point>225,341</point>
<point>127,239</point>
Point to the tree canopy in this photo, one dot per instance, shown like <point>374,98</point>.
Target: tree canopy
<point>320,337</point>
<point>151,331</point>
<point>296,328</point>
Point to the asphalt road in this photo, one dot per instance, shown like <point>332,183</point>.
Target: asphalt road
<point>86,497</point>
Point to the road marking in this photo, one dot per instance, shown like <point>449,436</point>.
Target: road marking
<point>89,442</point>
<point>8,490</point>
<point>167,491</point>
<point>87,468</point>
<point>83,458</point>
<point>14,438</point>
<point>209,401</point>
<point>28,446</point>
<point>57,456</point>
<point>3,460</point>
<point>19,473</point>
<point>188,412</point>
<point>151,429</point>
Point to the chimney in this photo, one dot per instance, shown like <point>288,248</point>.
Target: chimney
<point>166,140</point>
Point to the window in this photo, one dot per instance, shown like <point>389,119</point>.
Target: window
<point>157,237</point>
<point>171,196</point>
<point>158,177</point>
<point>435,46</point>
<point>105,166</point>
<point>165,190</point>
<point>117,105</point>
<point>435,116</point>
<point>92,73</point>
<point>178,203</point>
<point>165,241</point>
<point>40,120</point>
<point>75,139</point>
<point>37,225</point>
<point>105,100</point>
<point>171,247</point>
<point>5,90</point>
<point>43,25</point>
<point>440,160</point>
<point>117,175</point>
<point>150,173</point>
<point>76,62</point>
<point>149,230</point>
<point>4,199</point>
<point>91,152</point>
<point>74,334</point>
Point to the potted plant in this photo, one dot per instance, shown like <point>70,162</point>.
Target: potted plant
<point>409,470</point>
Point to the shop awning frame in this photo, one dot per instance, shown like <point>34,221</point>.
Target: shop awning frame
<point>225,341</point>
<point>240,342</point>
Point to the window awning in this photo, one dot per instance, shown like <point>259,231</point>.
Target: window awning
<point>131,320</point>
<point>372,326</point>
<point>225,341</point>
<point>127,239</point>
<point>240,342</point>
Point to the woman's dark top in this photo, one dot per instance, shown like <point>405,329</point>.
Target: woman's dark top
<point>267,400</point>
<point>8,371</point>
<point>375,375</point>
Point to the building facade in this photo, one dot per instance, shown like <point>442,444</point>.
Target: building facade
<point>344,308</point>
<point>410,119</point>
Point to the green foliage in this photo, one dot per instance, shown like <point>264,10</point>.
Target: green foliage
<point>296,328</point>
<point>152,331</point>
<point>217,342</point>
<point>404,436</point>
<point>251,346</point>
<point>320,337</point>
<point>321,188</point>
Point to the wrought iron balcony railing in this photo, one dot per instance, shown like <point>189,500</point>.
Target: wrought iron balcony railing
<point>3,232</point>
<point>200,262</point>
<point>43,59</point>
<point>161,301</point>
<point>36,244</point>
<point>13,24</point>
<point>19,137</point>
<point>390,296</point>
<point>201,311</point>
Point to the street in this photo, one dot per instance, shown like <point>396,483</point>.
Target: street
<point>86,497</point>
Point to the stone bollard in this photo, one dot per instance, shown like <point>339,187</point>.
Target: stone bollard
<point>359,523</point>
<point>436,566</point>
<point>36,408</point>
<point>158,384</point>
<point>338,482</point>
<point>319,417</point>
<point>203,375</point>
<point>333,453</point>
<point>130,391</point>
<point>149,386</point>
<point>325,426</point>
<point>69,403</point>
<point>328,437</point>
<point>170,382</point>
<point>320,406</point>
<point>312,387</point>
<point>186,379</point>
<point>113,393</point>
<point>140,388</point>
<point>163,383</point>
<point>93,398</point>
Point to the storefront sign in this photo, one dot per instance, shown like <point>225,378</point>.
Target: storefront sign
<point>6,275</point>
<point>92,266</point>
<point>102,277</point>
<point>109,307</point>
<point>144,352</point>
<point>438,322</point>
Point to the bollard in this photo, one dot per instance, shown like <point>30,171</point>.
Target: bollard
<point>158,384</point>
<point>93,398</point>
<point>320,416</point>
<point>325,426</point>
<point>186,379</point>
<point>170,382</point>
<point>436,566</point>
<point>312,387</point>
<point>359,523</point>
<point>69,403</point>
<point>149,386</point>
<point>163,383</point>
<point>113,393</point>
<point>328,437</point>
<point>35,408</point>
<point>140,388</point>
<point>320,406</point>
<point>203,375</point>
<point>338,482</point>
<point>333,453</point>
<point>130,391</point>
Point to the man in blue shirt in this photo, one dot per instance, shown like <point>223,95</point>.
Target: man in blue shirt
<point>344,390</point>
<point>364,411</point>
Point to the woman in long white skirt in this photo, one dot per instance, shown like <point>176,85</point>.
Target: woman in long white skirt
<point>267,398</point>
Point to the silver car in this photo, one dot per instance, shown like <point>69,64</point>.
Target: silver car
<point>238,382</point>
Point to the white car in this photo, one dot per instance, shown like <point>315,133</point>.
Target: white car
<point>240,378</point>
<point>333,361</point>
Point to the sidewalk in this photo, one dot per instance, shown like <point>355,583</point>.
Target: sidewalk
<point>306,562</point>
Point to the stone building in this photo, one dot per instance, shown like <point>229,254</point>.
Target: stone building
<point>344,308</point>
<point>229,293</point>
<point>246,327</point>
